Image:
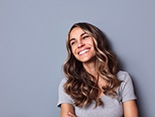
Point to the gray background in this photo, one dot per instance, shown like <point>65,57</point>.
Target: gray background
<point>32,49</point>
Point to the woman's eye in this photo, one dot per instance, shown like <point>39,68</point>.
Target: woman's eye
<point>72,43</point>
<point>85,37</point>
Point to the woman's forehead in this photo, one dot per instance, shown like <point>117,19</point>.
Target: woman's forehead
<point>76,32</point>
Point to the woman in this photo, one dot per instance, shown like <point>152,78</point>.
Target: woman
<point>94,86</point>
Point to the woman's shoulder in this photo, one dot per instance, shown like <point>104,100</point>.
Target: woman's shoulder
<point>123,76</point>
<point>63,81</point>
<point>126,89</point>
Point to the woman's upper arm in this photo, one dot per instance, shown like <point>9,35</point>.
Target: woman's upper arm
<point>130,109</point>
<point>65,108</point>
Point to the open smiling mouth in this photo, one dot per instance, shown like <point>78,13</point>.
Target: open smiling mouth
<point>83,51</point>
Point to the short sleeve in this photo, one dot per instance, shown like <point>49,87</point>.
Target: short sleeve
<point>62,96</point>
<point>126,89</point>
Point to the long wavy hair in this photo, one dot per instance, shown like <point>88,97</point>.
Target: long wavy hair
<point>81,85</point>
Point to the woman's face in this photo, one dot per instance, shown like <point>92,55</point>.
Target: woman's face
<point>82,45</point>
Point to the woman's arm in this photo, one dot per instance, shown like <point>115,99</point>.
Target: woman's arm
<point>130,109</point>
<point>67,110</point>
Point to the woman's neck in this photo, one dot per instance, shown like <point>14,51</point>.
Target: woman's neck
<point>91,68</point>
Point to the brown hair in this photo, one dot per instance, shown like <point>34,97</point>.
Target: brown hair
<point>82,86</point>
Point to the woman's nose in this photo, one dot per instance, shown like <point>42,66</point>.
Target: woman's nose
<point>80,44</point>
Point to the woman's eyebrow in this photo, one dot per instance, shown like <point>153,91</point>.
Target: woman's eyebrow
<point>83,34</point>
<point>80,36</point>
<point>71,39</point>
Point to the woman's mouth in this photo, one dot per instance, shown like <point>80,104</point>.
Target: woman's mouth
<point>83,51</point>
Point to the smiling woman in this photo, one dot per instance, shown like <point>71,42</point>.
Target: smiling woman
<point>94,86</point>
<point>82,45</point>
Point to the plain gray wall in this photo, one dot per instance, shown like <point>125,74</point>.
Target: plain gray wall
<point>32,49</point>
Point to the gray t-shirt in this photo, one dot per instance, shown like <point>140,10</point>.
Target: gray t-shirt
<point>112,106</point>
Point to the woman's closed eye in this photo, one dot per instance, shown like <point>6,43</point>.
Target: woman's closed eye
<point>84,37</point>
<point>72,42</point>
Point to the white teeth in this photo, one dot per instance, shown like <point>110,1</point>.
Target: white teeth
<point>82,52</point>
